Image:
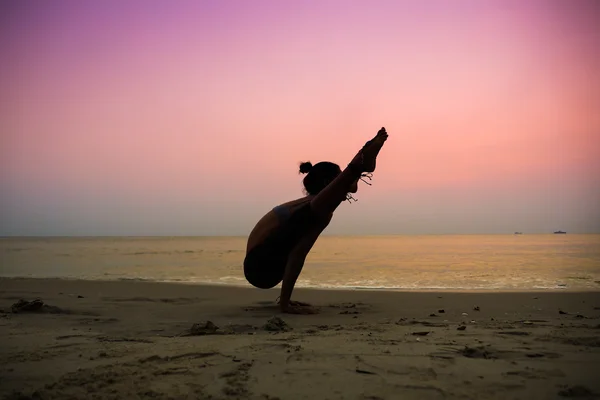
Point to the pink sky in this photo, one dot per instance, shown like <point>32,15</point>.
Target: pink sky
<point>190,117</point>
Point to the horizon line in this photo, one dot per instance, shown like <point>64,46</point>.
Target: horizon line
<point>324,235</point>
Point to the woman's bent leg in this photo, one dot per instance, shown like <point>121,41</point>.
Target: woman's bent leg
<point>264,265</point>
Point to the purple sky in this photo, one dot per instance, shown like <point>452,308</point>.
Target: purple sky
<point>190,117</point>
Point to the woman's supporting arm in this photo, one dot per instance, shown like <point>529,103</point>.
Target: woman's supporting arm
<point>296,262</point>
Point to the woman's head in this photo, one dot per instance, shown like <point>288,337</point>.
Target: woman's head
<point>319,175</point>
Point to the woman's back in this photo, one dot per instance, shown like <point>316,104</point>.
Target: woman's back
<point>272,220</point>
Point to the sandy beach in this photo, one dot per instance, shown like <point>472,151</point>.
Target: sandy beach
<point>141,340</point>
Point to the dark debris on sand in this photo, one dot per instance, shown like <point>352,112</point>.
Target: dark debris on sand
<point>513,333</point>
<point>35,306</point>
<point>577,392</point>
<point>209,328</point>
<point>201,329</point>
<point>478,352</point>
<point>592,341</point>
<point>22,396</point>
<point>424,323</point>
<point>276,324</point>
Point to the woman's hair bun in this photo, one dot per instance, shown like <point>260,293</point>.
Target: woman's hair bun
<point>305,167</point>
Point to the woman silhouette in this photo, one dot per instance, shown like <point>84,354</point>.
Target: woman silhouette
<point>281,240</point>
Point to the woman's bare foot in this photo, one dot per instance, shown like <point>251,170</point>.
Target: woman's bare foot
<point>367,157</point>
<point>299,304</point>
<point>293,303</point>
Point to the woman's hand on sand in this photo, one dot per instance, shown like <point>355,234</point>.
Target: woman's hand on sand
<point>299,304</point>
<point>294,303</point>
<point>291,309</point>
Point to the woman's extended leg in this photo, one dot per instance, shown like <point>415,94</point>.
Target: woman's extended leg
<point>333,194</point>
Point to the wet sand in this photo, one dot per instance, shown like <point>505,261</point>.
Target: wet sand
<point>141,340</point>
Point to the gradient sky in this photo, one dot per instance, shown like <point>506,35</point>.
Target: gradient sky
<point>190,117</point>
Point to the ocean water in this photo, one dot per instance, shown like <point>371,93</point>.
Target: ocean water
<point>445,262</point>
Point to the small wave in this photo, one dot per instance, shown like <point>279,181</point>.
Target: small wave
<point>427,287</point>
<point>232,278</point>
<point>133,279</point>
<point>171,252</point>
<point>240,281</point>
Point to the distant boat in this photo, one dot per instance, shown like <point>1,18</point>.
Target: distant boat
<point>518,233</point>
<point>560,233</point>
